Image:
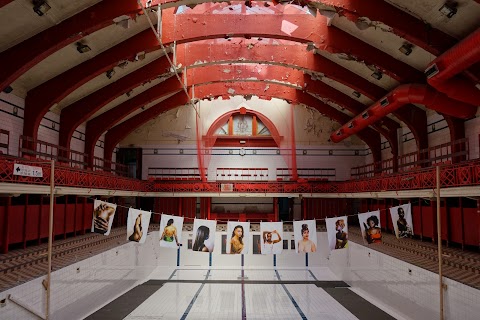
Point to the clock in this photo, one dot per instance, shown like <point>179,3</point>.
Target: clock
<point>242,152</point>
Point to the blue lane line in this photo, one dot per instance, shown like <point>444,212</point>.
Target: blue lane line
<point>300,312</point>
<point>185,314</point>
<point>313,275</point>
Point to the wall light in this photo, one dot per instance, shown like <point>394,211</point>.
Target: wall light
<point>431,71</point>
<point>384,102</point>
<point>140,56</point>
<point>15,111</point>
<point>110,73</point>
<point>377,75</point>
<point>40,7</point>
<point>304,152</point>
<point>448,9</point>
<point>339,133</point>
<point>365,115</point>
<point>330,152</point>
<point>356,94</point>
<point>8,89</point>
<point>406,48</point>
<point>82,48</point>
<point>351,125</point>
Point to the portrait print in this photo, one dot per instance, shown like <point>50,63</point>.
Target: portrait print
<point>337,232</point>
<point>238,234</point>
<point>305,234</point>
<point>103,213</point>
<point>370,226</point>
<point>137,225</point>
<point>271,237</point>
<point>402,220</point>
<point>204,235</point>
<point>171,231</point>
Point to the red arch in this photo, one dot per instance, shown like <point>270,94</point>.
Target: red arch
<point>224,117</point>
<point>117,133</point>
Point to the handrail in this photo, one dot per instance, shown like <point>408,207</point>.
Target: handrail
<point>445,152</point>
<point>466,173</point>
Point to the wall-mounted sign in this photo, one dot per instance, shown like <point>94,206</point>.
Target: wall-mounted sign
<point>226,187</point>
<point>27,171</point>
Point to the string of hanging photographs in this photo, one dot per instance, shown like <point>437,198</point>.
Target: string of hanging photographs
<point>238,233</point>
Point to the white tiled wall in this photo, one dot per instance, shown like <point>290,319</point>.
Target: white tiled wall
<point>101,278</point>
<point>412,294</point>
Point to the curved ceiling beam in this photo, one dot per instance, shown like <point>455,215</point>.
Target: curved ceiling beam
<point>19,59</point>
<point>403,24</point>
<point>117,133</point>
<point>35,49</point>
<point>195,76</point>
<point>4,2</point>
<point>402,95</point>
<point>199,54</point>
<point>187,28</point>
<point>78,112</point>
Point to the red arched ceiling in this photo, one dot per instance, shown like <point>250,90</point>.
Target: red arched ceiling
<point>185,28</point>
<point>22,57</point>
<point>203,75</point>
<point>188,28</point>
<point>80,111</point>
<point>117,133</point>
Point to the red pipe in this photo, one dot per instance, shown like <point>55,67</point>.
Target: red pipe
<point>443,73</point>
<point>402,95</point>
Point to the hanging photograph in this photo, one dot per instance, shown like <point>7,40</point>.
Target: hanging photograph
<point>171,231</point>
<point>271,237</point>
<point>238,234</point>
<point>370,226</point>
<point>305,233</point>
<point>204,235</point>
<point>137,225</point>
<point>337,232</point>
<point>402,220</point>
<point>103,213</point>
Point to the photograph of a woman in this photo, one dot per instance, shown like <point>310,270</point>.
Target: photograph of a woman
<point>402,220</point>
<point>272,233</point>
<point>103,213</point>
<point>137,225</point>
<point>337,231</point>
<point>204,233</point>
<point>305,235</point>
<point>171,231</point>
<point>238,235</point>
<point>370,227</point>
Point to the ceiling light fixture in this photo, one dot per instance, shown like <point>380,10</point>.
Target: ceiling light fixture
<point>351,125</point>
<point>40,7</point>
<point>406,48</point>
<point>140,56</point>
<point>110,73</point>
<point>7,89</point>
<point>356,94</point>
<point>82,48</point>
<point>448,9</point>
<point>431,71</point>
<point>377,75</point>
<point>365,115</point>
<point>384,102</point>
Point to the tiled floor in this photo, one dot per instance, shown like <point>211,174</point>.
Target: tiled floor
<point>200,296</point>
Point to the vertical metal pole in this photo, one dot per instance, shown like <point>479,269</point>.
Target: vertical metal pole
<point>439,240</point>
<point>50,231</point>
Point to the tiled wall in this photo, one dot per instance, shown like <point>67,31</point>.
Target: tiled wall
<point>414,294</point>
<point>88,285</point>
